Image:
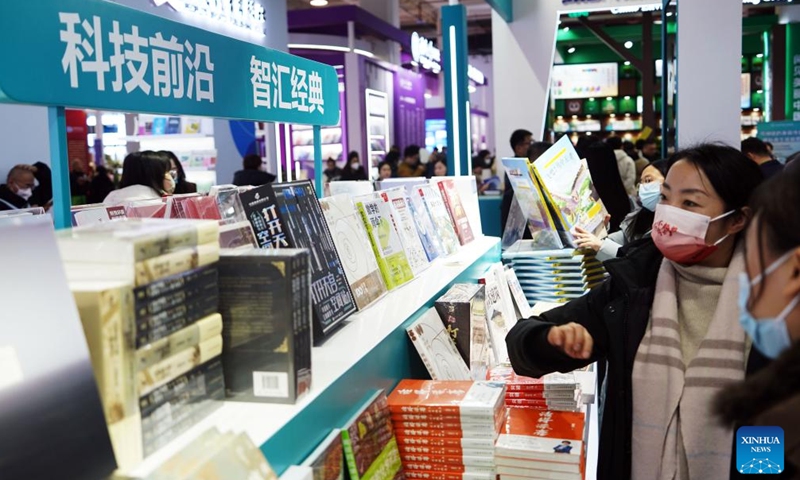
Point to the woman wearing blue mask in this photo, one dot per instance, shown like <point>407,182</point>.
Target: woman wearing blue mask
<point>769,303</point>
<point>637,224</point>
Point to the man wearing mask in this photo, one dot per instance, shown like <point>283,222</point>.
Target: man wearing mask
<point>18,189</point>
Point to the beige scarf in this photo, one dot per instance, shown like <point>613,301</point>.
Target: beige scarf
<point>673,426</point>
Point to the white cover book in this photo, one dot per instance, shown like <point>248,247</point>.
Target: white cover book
<point>436,348</point>
<point>406,229</point>
<point>496,318</point>
<point>432,200</point>
<point>354,248</point>
<point>505,295</point>
<point>522,304</point>
<point>351,188</point>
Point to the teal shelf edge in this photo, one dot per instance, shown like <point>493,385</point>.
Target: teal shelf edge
<point>382,368</point>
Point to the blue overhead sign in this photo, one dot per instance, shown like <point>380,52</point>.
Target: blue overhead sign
<point>97,54</point>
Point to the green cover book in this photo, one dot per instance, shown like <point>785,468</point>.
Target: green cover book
<point>392,260</point>
<point>370,447</point>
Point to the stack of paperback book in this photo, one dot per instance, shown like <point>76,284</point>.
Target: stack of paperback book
<point>541,444</point>
<point>147,294</point>
<point>370,446</point>
<point>556,391</point>
<point>446,430</point>
<point>555,276</point>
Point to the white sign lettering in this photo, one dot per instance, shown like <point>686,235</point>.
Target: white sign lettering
<point>269,79</point>
<point>247,14</point>
<point>430,58</point>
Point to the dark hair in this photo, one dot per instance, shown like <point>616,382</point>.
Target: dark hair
<point>643,221</point>
<point>411,151</point>
<point>178,166</point>
<point>614,142</point>
<point>442,161</point>
<point>585,142</point>
<point>649,141</point>
<point>537,149</point>
<point>392,157</point>
<point>146,168</point>
<point>769,145</point>
<point>351,156</point>
<point>329,160</point>
<point>732,175</point>
<point>755,146</point>
<point>388,164</point>
<point>628,145</point>
<point>639,144</point>
<point>251,161</point>
<point>518,137</point>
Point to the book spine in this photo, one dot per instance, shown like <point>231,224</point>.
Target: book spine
<point>420,475</point>
<point>168,292</point>
<point>455,426</point>
<point>454,460</point>
<point>201,378</point>
<point>409,417</point>
<point>383,266</point>
<point>481,443</point>
<point>153,328</point>
<point>442,410</point>
<point>441,433</point>
<point>188,337</point>
<point>445,468</point>
<point>178,364</point>
<point>181,260</point>
<point>458,451</point>
<point>350,456</point>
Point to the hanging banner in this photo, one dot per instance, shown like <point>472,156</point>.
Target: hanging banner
<point>97,54</point>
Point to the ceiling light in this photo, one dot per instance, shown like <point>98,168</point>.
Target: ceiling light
<point>574,117</point>
<point>428,95</point>
<point>472,89</point>
<point>588,134</point>
<point>571,50</point>
<point>669,14</point>
<point>319,3</point>
<point>609,98</point>
<point>565,29</point>
<point>760,55</point>
<point>560,117</point>
<point>627,114</point>
<point>756,109</point>
<point>628,44</point>
<point>627,63</point>
<point>363,52</point>
<point>613,115</point>
<point>627,97</point>
<point>591,99</point>
<point>588,116</point>
<point>759,91</point>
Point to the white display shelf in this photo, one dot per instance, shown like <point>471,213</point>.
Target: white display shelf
<point>361,334</point>
<point>167,136</point>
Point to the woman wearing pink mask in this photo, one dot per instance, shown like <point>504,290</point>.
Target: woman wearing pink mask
<point>667,324</point>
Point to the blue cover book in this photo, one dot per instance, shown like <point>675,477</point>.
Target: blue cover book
<point>173,125</point>
<point>159,126</point>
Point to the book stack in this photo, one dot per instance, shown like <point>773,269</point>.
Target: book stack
<point>556,391</point>
<point>370,446</point>
<point>147,294</point>
<point>463,311</point>
<point>555,276</point>
<point>537,444</point>
<point>447,430</point>
<point>266,310</point>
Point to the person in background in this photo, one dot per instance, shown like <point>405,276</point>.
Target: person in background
<point>178,174</point>
<point>16,193</point>
<point>484,158</point>
<point>477,172</point>
<point>630,149</point>
<point>411,166</point>
<point>667,359</point>
<point>101,185</point>
<point>757,151</point>
<point>384,170</point>
<point>353,170</point>
<point>625,164</point>
<point>536,150</point>
<point>252,173</point>
<point>439,168</point>
<point>333,172</point>
<point>145,176</point>
<point>770,147</point>
<point>520,141</point>
<point>78,180</point>
<point>637,224</point>
<point>769,303</point>
<point>649,150</point>
<point>43,192</point>
<point>393,159</point>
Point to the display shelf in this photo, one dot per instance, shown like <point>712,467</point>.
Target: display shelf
<point>371,351</point>
<point>167,136</point>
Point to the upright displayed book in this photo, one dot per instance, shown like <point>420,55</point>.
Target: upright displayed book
<point>455,208</point>
<point>376,216</point>
<point>288,215</point>
<point>327,460</point>
<point>532,203</point>
<point>406,229</point>
<point>352,188</point>
<point>432,200</point>
<point>463,311</point>
<point>355,250</point>
<point>499,311</point>
<point>428,234</point>
<point>523,307</point>
<point>567,183</point>
<point>228,203</point>
<point>467,188</point>
<point>264,302</point>
<point>537,444</point>
<point>447,428</point>
<point>370,446</point>
<point>436,348</point>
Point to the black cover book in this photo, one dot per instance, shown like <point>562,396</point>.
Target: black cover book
<point>305,226</point>
<point>266,328</point>
<point>262,213</point>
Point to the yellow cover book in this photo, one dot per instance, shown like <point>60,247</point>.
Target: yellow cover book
<point>181,260</point>
<point>178,364</point>
<point>188,337</point>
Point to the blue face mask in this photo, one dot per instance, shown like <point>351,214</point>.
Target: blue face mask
<point>650,195</point>
<point>770,335</point>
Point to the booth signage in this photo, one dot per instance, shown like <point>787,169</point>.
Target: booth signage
<point>784,136</point>
<point>97,54</point>
<point>425,53</point>
<point>247,14</point>
<point>475,75</point>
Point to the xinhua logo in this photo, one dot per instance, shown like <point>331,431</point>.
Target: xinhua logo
<point>759,450</point>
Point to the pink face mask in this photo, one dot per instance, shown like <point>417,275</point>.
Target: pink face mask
<point>681,234</point>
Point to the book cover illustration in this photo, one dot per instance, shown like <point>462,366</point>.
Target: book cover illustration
<point>540,435</point>
<point>425,227</point>
<point>463,311</point>
<point>567,183</point>
<point>228,203</point>
<point>500,315</point>
<point>530,200</point>
<point>404,223</point>
<point>455,208</point>
<point>436,348</point>
<point>327,461</point>
<point>467,188</point>
<point>237,235</point>
<point>392,261</point>
<point>433,202</point>
<point>355,251</point>
<point>331,297</point>
<point>261,210</point>
<point>370,446</point>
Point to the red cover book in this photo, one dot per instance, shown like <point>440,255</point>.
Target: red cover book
<point>422,417</point>
<point>463,443</point>
<point>204,208</point>
<point>544,436</point>
<point>455,460</point>
<point>514,382</point>
<point>454,398</point>
<point>438,433</point>
<point>456,210</point>
<point>428,475</point>
<point>465,428</point>
<point>451,451</point>
<point>445,468</point>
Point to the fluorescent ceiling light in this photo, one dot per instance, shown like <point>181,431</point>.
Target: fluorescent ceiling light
<point>571,50</point>
<point>760,55</point>
<point>319,3</point>
<point>363,52</point>
<point>312,46</point>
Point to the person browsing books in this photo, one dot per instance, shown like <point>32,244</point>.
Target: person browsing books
<point>145,176</point>
<point>636,224</point>
<point>182,185</point>
<point>666,324</point>
<point>16,193</point>
<point>769,311</point>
